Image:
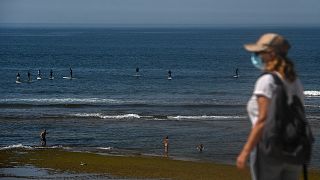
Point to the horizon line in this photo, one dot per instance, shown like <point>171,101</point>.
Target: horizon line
<point>133,25</point>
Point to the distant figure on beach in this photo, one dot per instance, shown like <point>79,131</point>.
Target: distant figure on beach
<point>169,75</point>
<point>269,54</point>
<point>43,139</point>
<point>200,147</point>
<point>18,77</point>
<point>29,76</point>
<point>165,143</point>
<point>71,76</point>
<point>51,74</point>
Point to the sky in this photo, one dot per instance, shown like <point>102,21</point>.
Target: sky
<point>161,12</point>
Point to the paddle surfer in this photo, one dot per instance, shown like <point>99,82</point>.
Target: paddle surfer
<point>169,74</point>
<point>18,77</point>
<point>29,76</point>
<point>237,73</point>
<point>51,74</point>
<point>71,73</point>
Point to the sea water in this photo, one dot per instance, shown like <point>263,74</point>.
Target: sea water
<point>107,109</point>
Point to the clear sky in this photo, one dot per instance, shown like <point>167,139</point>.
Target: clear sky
<point>161,12</point>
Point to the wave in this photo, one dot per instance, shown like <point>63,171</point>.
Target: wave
<point>99,115</point>
<point>205,117</point>
<point>105,148</point>
<point>156,117</point>
<point>16,146</point>
<point>98,102</point>
<point>313,106</point>
<point>60,100</point>
<point>21,146</point>
<point>312,93</point>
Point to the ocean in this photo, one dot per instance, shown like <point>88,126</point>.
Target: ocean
<point>105,108</point>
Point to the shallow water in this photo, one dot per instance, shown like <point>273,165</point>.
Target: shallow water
<point>30,172</point>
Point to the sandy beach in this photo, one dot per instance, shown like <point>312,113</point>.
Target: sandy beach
<point>131,167</point>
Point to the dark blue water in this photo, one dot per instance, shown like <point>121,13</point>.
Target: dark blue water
<point>106,108</point>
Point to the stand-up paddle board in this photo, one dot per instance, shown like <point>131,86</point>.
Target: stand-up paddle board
<point>169,78</point>
<point>51,78</point>
<point>236,76</point>
<point>18,82</point>
<point>38,78</point>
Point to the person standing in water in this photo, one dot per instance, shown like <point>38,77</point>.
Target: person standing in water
<point>39,73</point>
<point>137,73</point>
<point>237,73</point>
<point>200,147</point>
<point>18,77</point>
<point>169,74</point>
<point>71,76</point>
<point>29,76</point>
<point>51,74</point>
<point>165,143</point>
<point>43,139</point>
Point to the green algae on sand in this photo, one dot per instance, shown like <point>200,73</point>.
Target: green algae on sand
<point>125,166</point>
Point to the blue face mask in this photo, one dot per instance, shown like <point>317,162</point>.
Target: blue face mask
<point>257,61</point>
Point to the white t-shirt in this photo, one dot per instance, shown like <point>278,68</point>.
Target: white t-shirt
<point>265,86</point>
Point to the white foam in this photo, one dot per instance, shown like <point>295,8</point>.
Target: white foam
<point>15,146</point>
<point>99,115</point>
<point>313,117</point>
<point>105,148</point>
<point>136,116</point>
<point>205,117</point>
<point>312,93</point>
<point>312,106</point>
<point>123,116</point>
<point>60,100</point>
<point>49,147</point>
<point>87,115</point>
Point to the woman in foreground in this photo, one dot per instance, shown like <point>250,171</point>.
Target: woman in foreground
<point>269,55</point>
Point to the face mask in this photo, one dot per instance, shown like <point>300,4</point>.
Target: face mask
<point>257,61</point>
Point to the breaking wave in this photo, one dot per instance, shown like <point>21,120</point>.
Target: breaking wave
<point>205,117</point>
<point>156,117</point>
<point>100,115</point>
<point>312,93</point>
<point>21,146</point>
<point>16,146</point>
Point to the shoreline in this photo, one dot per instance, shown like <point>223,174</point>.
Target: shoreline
<point>129,166</point>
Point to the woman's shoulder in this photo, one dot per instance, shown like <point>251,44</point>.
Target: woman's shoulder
<point>266,78</point>
<point>265,85</point>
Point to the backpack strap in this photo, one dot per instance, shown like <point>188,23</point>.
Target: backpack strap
<point>305,172</point>
<point>276,78</point>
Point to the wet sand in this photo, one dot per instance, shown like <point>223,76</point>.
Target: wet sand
<point>93,165</point>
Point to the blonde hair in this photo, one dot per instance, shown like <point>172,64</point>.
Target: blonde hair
<point>284,66</point>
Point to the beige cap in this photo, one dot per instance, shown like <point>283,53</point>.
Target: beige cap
<point>269,41</point>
